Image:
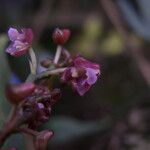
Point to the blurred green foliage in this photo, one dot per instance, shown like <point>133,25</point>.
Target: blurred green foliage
<point>67,129</point>
<point>4,76</point>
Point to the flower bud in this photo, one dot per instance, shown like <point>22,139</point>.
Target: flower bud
<point>60,37</point>
<point>46,63</point>
<point>18,92</point>
<point>41,140</point>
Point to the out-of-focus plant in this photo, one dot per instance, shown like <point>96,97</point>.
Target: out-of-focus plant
<point>4,76</point>
<point>138,19</point>
<point>33,100</point>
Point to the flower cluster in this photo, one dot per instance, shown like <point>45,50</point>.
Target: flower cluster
<point>40,102</point>
<point>35,98</point>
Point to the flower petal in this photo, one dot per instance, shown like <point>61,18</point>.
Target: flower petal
<point>28,35</point>
<point>66,75</point>
<point>13,34</point>
<point>17,49</point>
<point>81,62</point>
<point>91,75</point>
<point>81,88</point>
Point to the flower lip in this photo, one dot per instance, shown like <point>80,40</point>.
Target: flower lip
<point>21,41</point>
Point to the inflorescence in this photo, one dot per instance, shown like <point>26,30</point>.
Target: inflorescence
<point>33,100</point>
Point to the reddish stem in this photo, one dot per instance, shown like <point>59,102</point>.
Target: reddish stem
<point>8,128</point>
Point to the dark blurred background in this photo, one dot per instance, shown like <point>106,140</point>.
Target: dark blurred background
<point>115,114</point>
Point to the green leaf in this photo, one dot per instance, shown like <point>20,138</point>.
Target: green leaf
<point>4,75</point>
<point>67,129</point>
<point>14,140</point>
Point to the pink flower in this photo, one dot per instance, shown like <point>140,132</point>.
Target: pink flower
<point>20,41</point>
<point>82,74</point>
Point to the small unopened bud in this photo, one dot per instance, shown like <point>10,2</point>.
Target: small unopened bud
<point>18,92</point>
<point>46,63</point>
<point>61,36</point>
<point>41,140</point>
<point>42,116</point>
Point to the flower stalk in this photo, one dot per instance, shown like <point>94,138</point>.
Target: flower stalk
<point>32,61</point>
<point>58,54</point>
<point>49,73</point>
<point>9,127</point>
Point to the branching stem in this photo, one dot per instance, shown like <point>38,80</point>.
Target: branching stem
<point>48,73</point>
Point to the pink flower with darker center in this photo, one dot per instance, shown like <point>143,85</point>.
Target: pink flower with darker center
<point>20,41</point>
<point>81,75</point>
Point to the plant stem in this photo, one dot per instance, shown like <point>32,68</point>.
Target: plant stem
<point>33,61</point>
<point>48,73</point>
<point>9,127</point>
<point>28,131</point>
<point>58,53</point>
